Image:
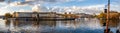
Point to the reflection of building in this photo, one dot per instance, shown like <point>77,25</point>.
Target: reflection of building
<point>33,23</point>
<point>69,24</point>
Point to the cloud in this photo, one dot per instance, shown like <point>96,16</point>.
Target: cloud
<point>36,8</point>
<point>23,10</point>
<point>2,4</point>
<point>4,10</point>
<point>52,0</point>
<point>34,2</point>
<point>115,6</point>
<point>37,5</point>
<point>2,0</point>
<point>11,9</point>
<point>95,7</point>
<point>40,8</point>
<point>15,3</point>
<point>80,9</point>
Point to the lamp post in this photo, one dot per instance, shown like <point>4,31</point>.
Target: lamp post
<point>107,22</point>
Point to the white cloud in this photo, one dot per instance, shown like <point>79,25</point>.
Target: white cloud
<point>36,8</point>
<point>2,4</point>
<point>83,9</point>
<point>34,2</point>
<point>94,7</point>
<point>75,9</point>
<point>15,3</point>
<point>29,0</point>
<point>4,10</point>
<point>115,5</point>
<point>22,10</point>
<point>10,9</point>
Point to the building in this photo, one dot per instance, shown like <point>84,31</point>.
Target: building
<point>39,16</point>
<point>34,14</point>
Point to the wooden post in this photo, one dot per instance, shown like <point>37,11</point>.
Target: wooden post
<point>107,22</point>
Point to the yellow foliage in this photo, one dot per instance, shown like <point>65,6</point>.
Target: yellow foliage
<point>102,15</point>
<point>8,15</point>
<point>111,15</point>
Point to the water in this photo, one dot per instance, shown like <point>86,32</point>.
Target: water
<point>82,25</point>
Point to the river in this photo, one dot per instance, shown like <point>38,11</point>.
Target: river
<point>81,25</point>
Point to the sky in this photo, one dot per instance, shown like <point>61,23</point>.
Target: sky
<point>61,6</point>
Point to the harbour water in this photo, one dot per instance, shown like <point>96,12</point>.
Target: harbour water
<point>81,25</point>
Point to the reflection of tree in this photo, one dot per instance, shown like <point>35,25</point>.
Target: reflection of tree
<point>35,23</point>
<point>48,23</point>
<point>16,23</point>
<point>7,22</point>
<point>112,23</point>
<point>70,24</point>
<point>21,23</point>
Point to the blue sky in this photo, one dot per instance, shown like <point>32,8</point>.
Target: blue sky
<point>95,6</point>
<point>82,3</point>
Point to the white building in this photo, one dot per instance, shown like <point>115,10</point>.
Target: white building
<point>34,14</point>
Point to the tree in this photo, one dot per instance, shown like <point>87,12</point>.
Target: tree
<point>102,15</point>
<point>111,15</point>
<point>114,16</point>
<point>8,15</point>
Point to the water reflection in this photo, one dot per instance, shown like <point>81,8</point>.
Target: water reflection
<point>113,25</point>
<point>82,25</point>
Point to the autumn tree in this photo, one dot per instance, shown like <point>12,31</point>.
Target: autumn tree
<point>112,15</point>
<point>102,15</point>
<point>8,15</point>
